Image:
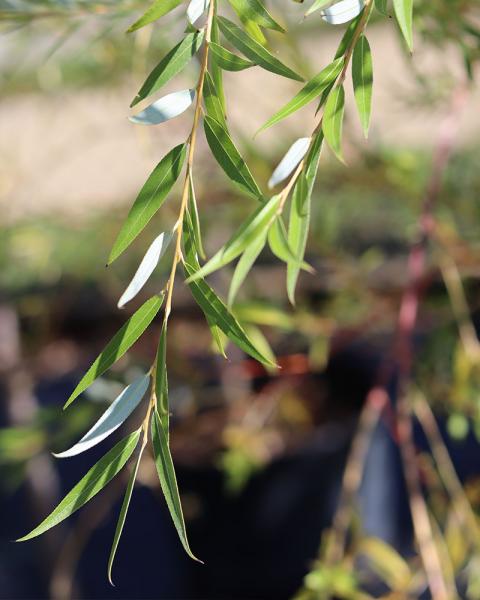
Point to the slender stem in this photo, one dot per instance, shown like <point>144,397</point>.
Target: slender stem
<point>191,151</point>
<point>340,79</point>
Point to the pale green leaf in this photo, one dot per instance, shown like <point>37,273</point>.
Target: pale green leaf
<point>94,481</point>
<point>229,158</point>
<point>404,14</point>
<point>317,5</point>
<point>309,92</point>
<point>150,199</point>
<point>168,480</point>
<point>280,246</point>
<point>170,65</point>
<point>254,51</point>
<point>119,344</point>
<point>332,123</point>
<point>256,225</point>
<point>154,12</point>
<point>244,265</point>
<point>362,77</point>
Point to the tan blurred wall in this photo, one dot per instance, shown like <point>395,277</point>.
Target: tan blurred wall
<point>76,151</point>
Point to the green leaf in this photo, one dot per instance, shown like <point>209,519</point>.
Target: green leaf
<point>255,226</point>
<point>299,222</point>
<point>119,344</point>
<point>170,65</point>
<point>308,93</point>
<point>404,14</point>
<point>94,481</point>
<point>254,51</point>
<point>332,122</point>
<point>213,101</point>
<point>229,61</point>
<point>229,158</point>
<point>254,10</point>
<point>156,10</point>
<point>123,513</point>
<point>244,265</point>
<point>161,380</point>
<point>168,480</point>
<point>261,342</point>
<point>215,69</point>
<point>280,246</point>
<point>218,314</point>
<point>362,77</point>
<point>382,7</point>
<point>150,199</point>
<point>192,214</point>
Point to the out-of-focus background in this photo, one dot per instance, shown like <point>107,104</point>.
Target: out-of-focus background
<point>259,456</point>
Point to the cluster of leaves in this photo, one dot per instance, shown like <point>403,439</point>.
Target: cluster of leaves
<point>217,38</point>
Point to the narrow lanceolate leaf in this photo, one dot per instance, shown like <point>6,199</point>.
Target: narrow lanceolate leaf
<point>332,123</point>
<point>192,214</point>
<point>229,61</point>
<point>300,214</point>
<point>382,7</point>
<point>147,266</point>
<point>120,409</point>
<point>290,161</point>
<point>168,481</point>
<point>170,65</point>
<point>342,12</point>
<point>254,51</point>
<point>150,199</point>
<point>316,6</point>
<point>362,76</point>
<point>254,10</point>
<point>154,12</point>
<point>123,513</point>
<point>218,314</point>
<point>196,9</point>
<point>119,344</point>
<point>168,107</point>
<point>256,225</point>
<point>229,158</point>
<point>280,246</point>
<point>94,481</point>
<point>309,92</point>
<point>244,265</point>
<point>215,69</point>
<point>161,380</point>
<point>213,101</point>
<point>404,14</point>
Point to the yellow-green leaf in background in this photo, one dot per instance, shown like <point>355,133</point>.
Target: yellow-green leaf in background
<point>404,15</point>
